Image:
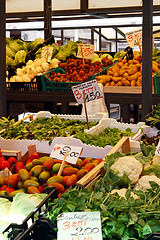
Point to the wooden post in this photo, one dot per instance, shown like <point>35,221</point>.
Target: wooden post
<point>85,109</point>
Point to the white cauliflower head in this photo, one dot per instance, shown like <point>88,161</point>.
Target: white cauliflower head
<point>144,184</point>
<point>128,165</point>
<point>121,192</point>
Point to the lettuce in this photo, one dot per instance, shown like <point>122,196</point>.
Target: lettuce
<point>20,57</point>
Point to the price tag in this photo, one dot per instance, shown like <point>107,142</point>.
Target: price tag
<point>85,51</point>
<point>79,226</point>
<point>47,53</point>
<point>90,89</point>
<point>60,150</point>
<point>134,38</point>
<point>157,152</point>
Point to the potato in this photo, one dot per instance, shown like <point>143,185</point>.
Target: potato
<point>107,84</point>
<point>115,74</point>
<point>120,64</point>
<point>124,60</point>
<point>110,77</point>
<point>130,61</point>
<point>134,76</point>
<point>120,83</point>
<point>133,83</point>
<point>126,82</point>
<point>135,61</point>
<point>112,84</point>
<point>138,83</point>
<point>138,65</point>
<point>119,59</point>
<point>156,63</point>
<point>139,79</point>
<point>121,72</point>
<point>133,70</point>
<point>115,68</point>
<point>109,72</point>
<point>126,75</point>
<point>155,68</point>
<point>117,79</point>
<point>126,64</point>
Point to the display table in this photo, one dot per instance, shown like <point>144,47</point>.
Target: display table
<point>50,99</point>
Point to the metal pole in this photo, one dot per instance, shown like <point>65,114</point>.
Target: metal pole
<point>116,40</point>
<point>147,58</point>
<point>100,39</point>
<point>3,60</point>
<point>62,37</point>
<point>92,35</point>
<point>47,19</point>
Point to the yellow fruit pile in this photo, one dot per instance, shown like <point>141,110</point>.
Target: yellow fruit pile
<point>125,73</point>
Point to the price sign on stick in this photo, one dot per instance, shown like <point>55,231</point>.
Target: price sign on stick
<point>60,150</point>
<point>134,38</point>
<point>79,226</point>
<point>157,152</point>
<point>85,51</point>
<point>47,53</point>
<point>90,89</point>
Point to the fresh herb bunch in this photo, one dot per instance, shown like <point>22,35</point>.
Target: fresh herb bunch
<point>6,122</point>
<point>46,129</point>
<point>110,136</point>
<point>153,119</point>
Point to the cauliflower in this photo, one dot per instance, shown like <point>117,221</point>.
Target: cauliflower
<point>121,192</point>
<point>128,165</point>
<point>156,159</point>
<point>144,184</point>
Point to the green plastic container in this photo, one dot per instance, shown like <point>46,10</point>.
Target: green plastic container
<point>157,84</point>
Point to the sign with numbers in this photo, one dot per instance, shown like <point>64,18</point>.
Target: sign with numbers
<point>134,38</point>
<point>47,53</point>
<point>90,89</point>
<point>60,150</point>
<point>157,152</point>
<point>85,51</point>
<point>79,226</point>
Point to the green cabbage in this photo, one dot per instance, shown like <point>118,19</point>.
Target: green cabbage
<point>10,53</point>
<point>120,54</point>
<point>10,62</point>
<point>20,57</point>
<point>33,44</point>
<point>16,45</point>
<point>67,51</point>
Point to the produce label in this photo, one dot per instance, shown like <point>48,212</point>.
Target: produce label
<point>85,51</point>
<point>134,38</point>
<point>79,226</point>
<point>90,89</point>
<point>157,152</point>
<point>47,53</point>
<point>60,150</point>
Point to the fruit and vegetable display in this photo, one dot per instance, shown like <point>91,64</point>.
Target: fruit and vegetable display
<point>36,173</point>
<point>46,129</point>
<point>126,196</point>
<point>110,136</point>
<point>125,73</point>
<point>6,162</point>
<point>153,119</point>
<point>6,122</point>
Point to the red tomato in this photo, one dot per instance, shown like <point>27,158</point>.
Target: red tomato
<point>28,161</point>
<point>12,180</point>
<point>2,158</point>
<point>9,189</point>
<point>64,180</point>
<point>0,153</point>
<point>34,155</point>
<point>97,159</point>
<point>89,166</point>
<point>71,180</point>
<point>48,164</point>
<point>18,166</point>
<point>41,189</point>
<point>4,164</point>
<point>69,171</point>
<point>44,184</point>
<point>3,187</point>
<point>57,161</point>
<point>59,186</point>
<point>12,160</point>
<point>85,161</point>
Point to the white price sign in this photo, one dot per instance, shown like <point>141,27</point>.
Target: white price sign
<point>85,51</point>
<point>79,226</point>
<point>60,150</point>
<point>90,89</point>
<point>157,152</point>
<point>47,53</point>
<point>134,38</point>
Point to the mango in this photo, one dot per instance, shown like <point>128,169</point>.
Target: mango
<point>29,182</point>
<point>36,170</point>
<point>58,179</point>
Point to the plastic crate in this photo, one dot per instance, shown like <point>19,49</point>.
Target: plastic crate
<point>157,84</point>
<point>14,230</point>
<point>154,236</point>
<point>48,85</point>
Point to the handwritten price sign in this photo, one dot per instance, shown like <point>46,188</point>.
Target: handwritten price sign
<point>79,226</point>
<point>134,38</point>
<point>85,51</point>
<point>60,150</point>
<point>157,152</point>
<point>90,89</point>
<point>47,53</point>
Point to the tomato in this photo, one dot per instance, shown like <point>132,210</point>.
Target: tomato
<point>3,187</point>
<point>12,180</point>
<point>85,161</point>
<point>12,161</point>
<point>23,174</point>
<point>2,181</point>
<point>71,180</point>
<point>44,184</point>
<point>34,155</point>
<point>19,184</point>
<point>57,161</point>
<point>18,166</point>
<point>56,167</point>
<point>69,171</point>
<point>0,153</point>
<point>41,189</point>
<point>89,166</point>
<point>48,164</point>
<point>4,164</point>
<point>59,186</point>
<point>81,173</point>
<point>2,158</point>
<point>9,189</point>
<point>28,161</point>
<point>32,190</point>
<point>64,180</point>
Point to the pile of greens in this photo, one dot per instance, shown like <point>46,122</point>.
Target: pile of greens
<point>153,119</point>
<point>45,129</point>
<point>6,122</point>
<point>121,217</point>
<point>110,136</point>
